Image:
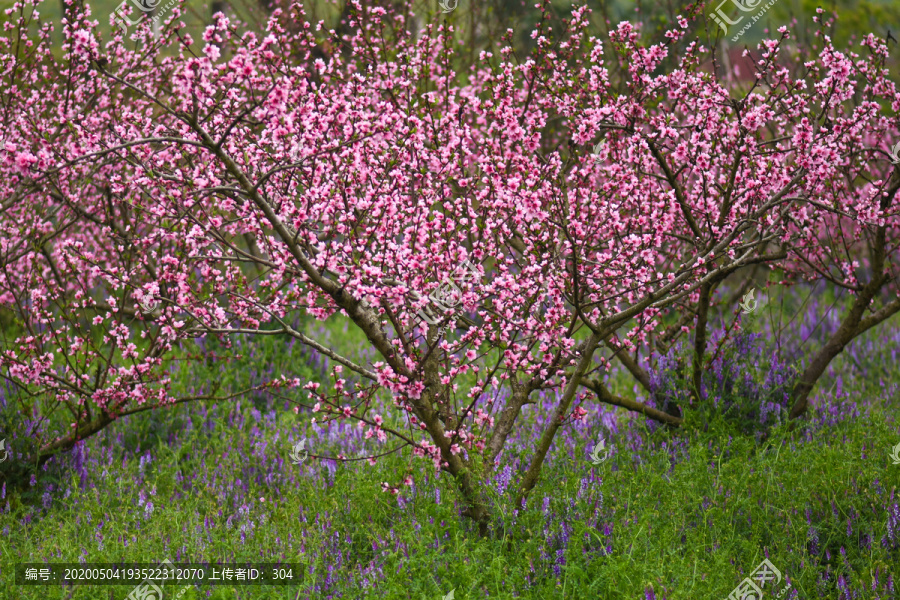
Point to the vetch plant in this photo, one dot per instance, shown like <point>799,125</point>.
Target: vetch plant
<point>749,392</point>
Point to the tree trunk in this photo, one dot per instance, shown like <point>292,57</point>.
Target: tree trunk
<point>853,324</point>
<point>605,396</point>
<point>700,340</point>
<point>843,336</point>
<point>534,469</point>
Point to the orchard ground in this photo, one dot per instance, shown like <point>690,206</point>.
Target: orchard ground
<point>680,513</point>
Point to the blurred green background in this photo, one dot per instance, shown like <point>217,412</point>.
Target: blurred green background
<point>481,23</point>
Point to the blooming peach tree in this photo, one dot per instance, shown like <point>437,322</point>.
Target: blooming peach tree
<point>210,188</point>
<point>833,114</point>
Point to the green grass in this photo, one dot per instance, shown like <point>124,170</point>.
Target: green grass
<point>686,524</point>
<point>769,487</point>
<point>662,538</point>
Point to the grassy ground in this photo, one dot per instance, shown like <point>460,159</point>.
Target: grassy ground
<point>672,514</point>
